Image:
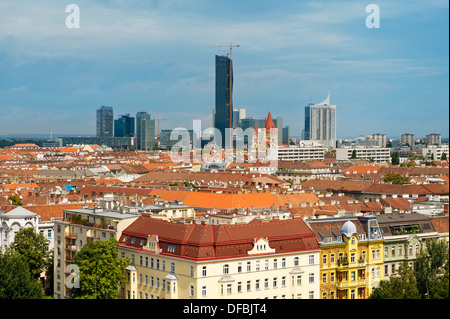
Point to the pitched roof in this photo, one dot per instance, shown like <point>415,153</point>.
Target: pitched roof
<point>203,242</point>
<point>269,122</point>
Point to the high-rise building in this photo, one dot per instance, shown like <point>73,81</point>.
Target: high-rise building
<point>223,113</point>
<point>145,131</point>
<point>379,139</point>
<point>408,139</point>
<point>124,126</point>
<point>105,121</point>
<point>433,139</point>
<point>320,123</point>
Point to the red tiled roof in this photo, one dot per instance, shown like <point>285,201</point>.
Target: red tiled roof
<point>204,242</point>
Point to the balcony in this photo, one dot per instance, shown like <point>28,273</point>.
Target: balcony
<point>361,282</point>
<point>71,235</point>
<point>71,247</point>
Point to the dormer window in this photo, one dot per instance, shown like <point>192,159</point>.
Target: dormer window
<point>261,246</point>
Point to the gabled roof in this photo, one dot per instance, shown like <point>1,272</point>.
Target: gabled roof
<point>203,242</point>
<point>20,212</point>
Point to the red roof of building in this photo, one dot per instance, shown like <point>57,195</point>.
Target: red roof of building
<point>206,242</point>
<point>269,122</point>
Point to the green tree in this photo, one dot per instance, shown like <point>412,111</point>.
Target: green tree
<point>402,286</point>
<point>443,156</point>
<point>34,248</point>
<point>101,271</point>
<point>430,266</point>
<point>15,200</point>
<point>16,281</point>
<point>395,158</point>
<point>395,178</point>
<point>353,154</point>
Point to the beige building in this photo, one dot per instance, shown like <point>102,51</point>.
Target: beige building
<point>276,259</point>
<point>80,226</point>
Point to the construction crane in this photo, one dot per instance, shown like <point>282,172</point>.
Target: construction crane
<point>159,119</point>
<point>231,79</point>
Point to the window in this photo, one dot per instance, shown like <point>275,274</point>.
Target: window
<point>400,250</point>
<point>275,263</point>
<point>299,280</point>
<point>332,258</point>
<point>229,289</point>
<point>257,287</point>
<point>226,269</point>
<point>353,240</point>
<point>324,278</point>
<point>239,268</point>
<point>266,283</point>
<point>283,262</point>
<point>171,248</point>
<point>332,277</point>
<point>203,291</point>
<point>191,291</point>
<point>283,281</point>
<point>249,285</point>
<point>141,260</point>
<point>296,261</point>
<point>352,257</point>
<point>311,295</point>
<point>146,261</point>
<point>275,282</point>
<point>311,259</point>
<point>249,266</point>
<point>239,286</point>
<point>172,267</point>
<point>393,251</point>
<point>191,271</point>
<point>266,264</point>
<point>324,259</point>
<point>157,264</point>
<point>352,276</point>
<point>204,273</point>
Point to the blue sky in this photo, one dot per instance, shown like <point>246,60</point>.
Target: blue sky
<point>157,56</point>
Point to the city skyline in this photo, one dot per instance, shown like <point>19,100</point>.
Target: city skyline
<point>156,56</point>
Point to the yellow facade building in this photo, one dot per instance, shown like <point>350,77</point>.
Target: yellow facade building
<point>351,258</point>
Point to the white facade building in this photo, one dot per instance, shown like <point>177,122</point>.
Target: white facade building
<point>375,154</point>
<point>320,123</point>
<point>14,221</point>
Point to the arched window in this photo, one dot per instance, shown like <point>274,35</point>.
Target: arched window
<point>226,269</point>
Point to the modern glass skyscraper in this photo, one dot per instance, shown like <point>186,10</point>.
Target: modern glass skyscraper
<point>320,123</point>
<point>223,115</point>
<point>105,121</point>
<point>145,131</point>
<point>124,126</point>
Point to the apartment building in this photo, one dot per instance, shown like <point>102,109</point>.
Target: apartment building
<point>78,227</point>
<point>301,153</point>
<point>375,154</point>
<point>274,259</point>
<point>405,236</point>
<point>351,259</point>
<point>297,172</point>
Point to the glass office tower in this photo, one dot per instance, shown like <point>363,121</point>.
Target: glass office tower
<point>145,132</point>
<point>223,115</point>
<point>105,121</point>
<point>124,126</point>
